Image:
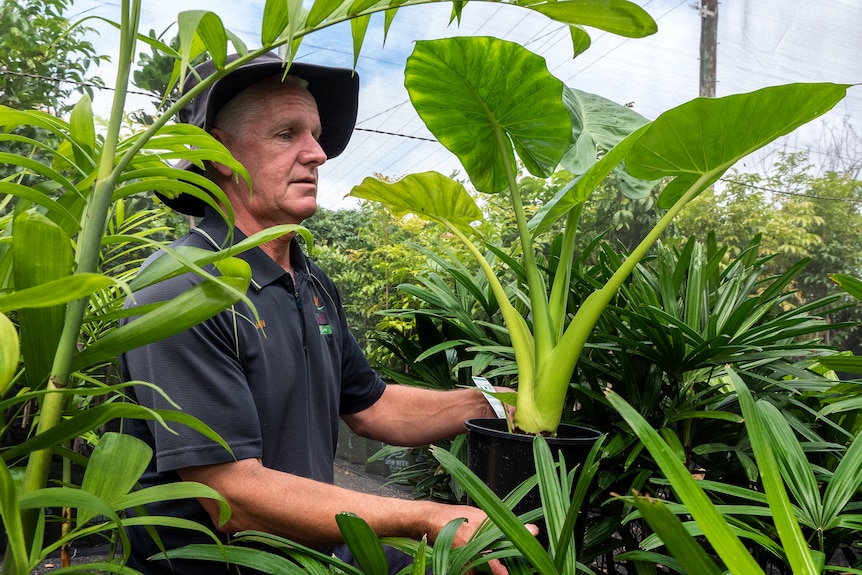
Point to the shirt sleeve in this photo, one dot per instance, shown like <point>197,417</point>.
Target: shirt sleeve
<point>361,386</point>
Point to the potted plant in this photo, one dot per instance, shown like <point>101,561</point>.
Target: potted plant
<point>494,103</point>
<point>50,306</point>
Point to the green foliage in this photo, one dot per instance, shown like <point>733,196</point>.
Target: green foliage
<point>486,131</point>
<point>45,59</point>
<point>798,214</point>
<point>44,62</point>
<point>70,196</point>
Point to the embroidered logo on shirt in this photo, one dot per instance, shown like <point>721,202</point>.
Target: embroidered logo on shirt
<point>322,321</point>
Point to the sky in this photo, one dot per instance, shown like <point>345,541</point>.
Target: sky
<point>761,43</point>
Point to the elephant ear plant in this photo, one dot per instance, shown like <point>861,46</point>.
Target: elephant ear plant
<point>56,291</point>
<point>494,104</point>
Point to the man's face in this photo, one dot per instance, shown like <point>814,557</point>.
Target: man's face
<point>278,145</point>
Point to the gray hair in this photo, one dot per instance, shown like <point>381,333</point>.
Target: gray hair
<point>234,116</point>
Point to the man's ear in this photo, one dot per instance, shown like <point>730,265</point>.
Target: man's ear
<point>219,135</point>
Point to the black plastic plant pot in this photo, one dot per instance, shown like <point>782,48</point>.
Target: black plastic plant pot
<point>503,460</point>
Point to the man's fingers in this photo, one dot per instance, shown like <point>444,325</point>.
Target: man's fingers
<point>533,529</point>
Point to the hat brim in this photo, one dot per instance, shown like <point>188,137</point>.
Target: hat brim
<point>336,91</point>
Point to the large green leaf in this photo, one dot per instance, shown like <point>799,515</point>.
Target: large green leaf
<point>599,124</point>
<point>34,236</point>
<point>429,195</point>
<point>481,95</point>
<point>581,188</point>
<point>616,16</point>
<point>702,138</point>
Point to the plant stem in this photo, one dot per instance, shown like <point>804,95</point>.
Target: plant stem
<point>560,288</point>
<point>87,261</point>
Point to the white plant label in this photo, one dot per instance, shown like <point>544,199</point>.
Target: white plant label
<point>496,404</point>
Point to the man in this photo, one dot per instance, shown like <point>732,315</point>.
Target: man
<point>276,394</point>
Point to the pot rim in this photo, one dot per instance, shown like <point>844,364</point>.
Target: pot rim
<point>575,434</point>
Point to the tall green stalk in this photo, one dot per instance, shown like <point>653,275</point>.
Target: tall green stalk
<point>87,261</point>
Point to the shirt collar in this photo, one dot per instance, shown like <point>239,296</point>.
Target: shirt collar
<point>264,270</point>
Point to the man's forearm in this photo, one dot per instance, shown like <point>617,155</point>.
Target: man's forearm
<point>304,510</point>
<point>410,416</point>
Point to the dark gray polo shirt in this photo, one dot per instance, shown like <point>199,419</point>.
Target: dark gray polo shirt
<point>273,391</point>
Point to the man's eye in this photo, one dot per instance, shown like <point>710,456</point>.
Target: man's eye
<point>285,135</point>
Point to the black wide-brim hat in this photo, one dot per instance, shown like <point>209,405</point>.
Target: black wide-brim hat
<point>336,91</point>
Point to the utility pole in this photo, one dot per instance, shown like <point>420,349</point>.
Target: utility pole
<point>708,46</point>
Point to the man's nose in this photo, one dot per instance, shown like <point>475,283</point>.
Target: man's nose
<point>313,152</point>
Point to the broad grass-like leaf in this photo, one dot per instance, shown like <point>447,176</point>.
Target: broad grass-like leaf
<point>199,303</point>
<point>706,136</point>
<point>234,555</point>
<point>321,10</point>
<point>10,353</point>
<point>443,545</point>
<point>83,130</point>
<point>178,259</point>
<point>715,527</point>
<point>209,29</point>
<point>275,20</point>
<point>173,492</point>
<point>796,548</point>
<point>478,94</point>
<point>56,292</point>
<point>358,28</point>
<point>684,548</point>
<point>68,497</point>
<point>795,468</point>
<point>115,466</point>
<point>40,327</point>
<point>841,362</point>
<point>497,512</point>
<point>93,417</point>
<point>16,546</point>
<point>55,209</point>
<point>845,481</point>
<point>363,543</point>
<point>429,195</point>
<point>581,41</point>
